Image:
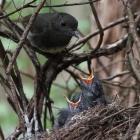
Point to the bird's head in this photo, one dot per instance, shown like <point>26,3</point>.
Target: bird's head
<point>92,90</point>
<point>87,80</point>
<point>65,24</point>
<point>73,105</point>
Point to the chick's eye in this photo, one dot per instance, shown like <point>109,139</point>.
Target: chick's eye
<point>63,24</point>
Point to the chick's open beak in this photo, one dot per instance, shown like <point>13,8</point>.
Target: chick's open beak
<point>73,105</point>
<point>89,79</point>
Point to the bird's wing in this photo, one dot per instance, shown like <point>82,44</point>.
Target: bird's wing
<point>40,25</point>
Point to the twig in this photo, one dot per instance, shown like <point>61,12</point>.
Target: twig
<point>27,75</point>
<point>112,115</point>
<point>70,4</point>
<point>73,75</point>
<point>132,126</point>
<point>112,24</point>
<point>18,9</point>
<point>133,38</point>
<point>118,84</point>
<point>132,27</point>
<point>137,132</point>
<point>28,5</point>
<point>1,134</point>
<point>24,35</point>
<point>117,75</point>
<point>106,50</point>
<point>117,127</point>
<point>98,25</point>
<point>15,134</point>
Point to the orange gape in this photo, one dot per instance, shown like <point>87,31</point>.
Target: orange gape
<point>73,105</point>
<point>89,79</point>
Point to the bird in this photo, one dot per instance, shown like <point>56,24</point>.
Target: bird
<point>51,32</point>
<point>65,114</point>
<point>91,94</point>
<point>92,86</point>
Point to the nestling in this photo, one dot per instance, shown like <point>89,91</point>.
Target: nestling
<point>65,115</point>
<point>92,93</point>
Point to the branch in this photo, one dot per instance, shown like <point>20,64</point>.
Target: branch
<point>70,4</point>
<point>117,75</point>
<point>24,35</point>
<point>1,134</point>
<point>18,9</point>
<point>133,39</point>
<point>28,5</point>
<point>104,51</point>
<point>97,123</point>
<point>132,27</point>
<point>98,25</point>
<point>110,25</point>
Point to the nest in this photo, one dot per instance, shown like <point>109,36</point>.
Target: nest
<point>112,122</point>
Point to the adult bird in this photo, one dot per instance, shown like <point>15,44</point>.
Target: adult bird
<point>51,32</point>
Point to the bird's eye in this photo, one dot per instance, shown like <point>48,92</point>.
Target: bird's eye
<point>63,24</point>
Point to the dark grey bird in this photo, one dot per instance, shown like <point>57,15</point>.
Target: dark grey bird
<point>92,93</point>
<point>66,114</point>
<point>93,90</point>
<point>51,32</point>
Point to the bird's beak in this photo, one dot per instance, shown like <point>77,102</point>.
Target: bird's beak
<point>76,34</point>
<point>73,105</point>
<point>89,79</point>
